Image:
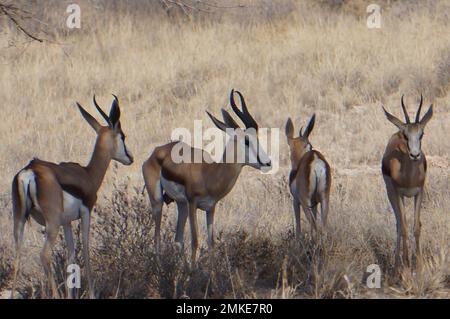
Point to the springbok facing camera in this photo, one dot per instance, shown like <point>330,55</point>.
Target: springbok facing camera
<point>57,194</point>
<point>404,169</point>
<point>309,179</point>
<point>202,184</point>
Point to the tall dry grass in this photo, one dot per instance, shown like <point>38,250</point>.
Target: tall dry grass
<point>310,58</point>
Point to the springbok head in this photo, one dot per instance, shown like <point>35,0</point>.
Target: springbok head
<point>412,133</point>
<point>299,145</point>
<point>244,141</point>
<point>110,137</point>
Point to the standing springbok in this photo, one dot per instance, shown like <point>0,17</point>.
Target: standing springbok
<point>404,169</point>
<point>201,184</point>
<point>310,177</point>
<point>57,194</point>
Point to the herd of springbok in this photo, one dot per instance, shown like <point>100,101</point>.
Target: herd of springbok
<point>57,194</point>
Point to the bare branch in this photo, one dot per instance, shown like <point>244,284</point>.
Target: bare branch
<point>16,15</point>
<point>195,5</point>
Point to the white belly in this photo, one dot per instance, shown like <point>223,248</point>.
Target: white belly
<point>176,191</point>
<point>72,207</point>
<point>409,192</point>
<point>206,203</point>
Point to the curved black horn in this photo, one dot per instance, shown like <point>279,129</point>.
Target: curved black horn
<point>106,117</point>
<point>420,109</point>
<point>235,108</point>
<point>244,115</point>
<point>405,111</point>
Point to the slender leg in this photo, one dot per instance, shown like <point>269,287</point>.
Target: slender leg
<point>68,235</point>
<point>19,224</point>
<point>210,226</point>
<point>324,208</point>
<point>46,253</point>
<point>298,219</point>
<point>86,220</point>
<point>310,215</point>
<point>181,223</point>
<point>417,228</point>
<point>19,211</point>
<point>394,199</point>
<point>157,215</point>
<point>404,232</point>
<point>194,229</point>
<point>316,224</point>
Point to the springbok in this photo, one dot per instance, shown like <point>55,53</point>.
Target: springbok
<point>309,179</point>
<point>201,184</point>
<point>404,169</point>
<point>57,194</point>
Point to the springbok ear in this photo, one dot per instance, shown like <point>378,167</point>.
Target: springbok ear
<point>427,116</point>
<point>391,118</point>
<point>289,129</point>
<point>89,118</point>
<point>220,125</point>
<point>310,126</point>
<point>114,113</point>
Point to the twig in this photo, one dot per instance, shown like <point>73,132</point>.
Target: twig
<point>8,11</point>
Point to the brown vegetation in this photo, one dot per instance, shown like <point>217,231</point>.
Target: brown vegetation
<point>290,60</point>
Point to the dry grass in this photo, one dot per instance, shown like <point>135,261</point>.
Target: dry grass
<point>314,59</point>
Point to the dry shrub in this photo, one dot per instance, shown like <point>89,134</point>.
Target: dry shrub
<point>289,61</point>
<point>443,73</point>
<point>5,265</point>
<point>6,251</point>
<point>125,246</point>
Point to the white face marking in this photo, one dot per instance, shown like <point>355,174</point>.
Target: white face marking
<point>255,156</point>
<point>122,154</point>
<point>413,139</point>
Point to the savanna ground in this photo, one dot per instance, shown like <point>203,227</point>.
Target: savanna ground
<point>290,59</point>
